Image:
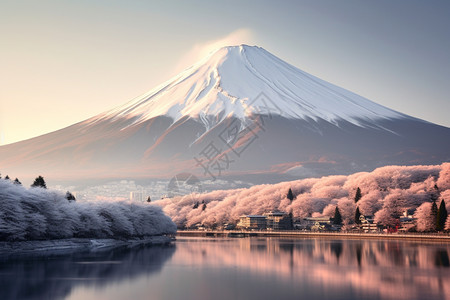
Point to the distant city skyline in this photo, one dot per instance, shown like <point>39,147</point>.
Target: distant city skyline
<point>63,62</point>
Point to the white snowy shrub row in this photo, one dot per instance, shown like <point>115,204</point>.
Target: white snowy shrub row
<point>37,213</point>
<point>386,192</point>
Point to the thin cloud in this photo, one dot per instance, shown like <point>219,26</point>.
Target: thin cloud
<point>200,50</point>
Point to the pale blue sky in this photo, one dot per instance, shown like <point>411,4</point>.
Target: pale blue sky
<point>64,61</point>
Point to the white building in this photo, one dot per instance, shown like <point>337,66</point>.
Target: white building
<point>137,197</point>
<point>252,222</point>
<point>278,221</point>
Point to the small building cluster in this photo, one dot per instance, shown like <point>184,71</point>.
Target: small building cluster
<point>137,197</point>
<point>268,221</point>
<point>407,221</point>
<point>283,221</point>
<point>314,224</point>
<point>368,225</point>
<point>278,220</point>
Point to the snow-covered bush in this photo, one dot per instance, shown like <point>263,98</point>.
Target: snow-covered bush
<point>37,213</point>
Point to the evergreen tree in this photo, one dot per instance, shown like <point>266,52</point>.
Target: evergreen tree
<point>16,181</point>
<point>441,216</point>
<point>195,205</point>
<point>434,194</point>
<point>39,182</point>
<point>358,195</point>
<point>290,195</point>
<point>357,215</point>
<point>6,177</point>
<point>70,196</point>
<point>434,213</point>
<point>337,220</point>
<point>149,200</point>
<point>204,206</point>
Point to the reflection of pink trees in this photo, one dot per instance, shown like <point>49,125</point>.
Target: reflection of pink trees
<point>395,270</point>
<point>386,193</point>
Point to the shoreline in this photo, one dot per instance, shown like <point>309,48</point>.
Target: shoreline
<point>302,235</point>
<point>74,245</point>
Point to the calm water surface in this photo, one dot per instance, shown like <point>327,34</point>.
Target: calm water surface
<point>241,268</point>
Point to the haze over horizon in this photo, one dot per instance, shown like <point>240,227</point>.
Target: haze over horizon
<point>66,62</point>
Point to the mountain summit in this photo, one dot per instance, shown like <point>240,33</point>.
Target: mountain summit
<point>225,83</point>
<point>241,111</point>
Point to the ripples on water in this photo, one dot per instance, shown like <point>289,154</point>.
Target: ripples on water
<point>242,268</point>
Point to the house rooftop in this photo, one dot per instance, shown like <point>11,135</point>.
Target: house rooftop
<point>275,213</point>
<point>318,219</point>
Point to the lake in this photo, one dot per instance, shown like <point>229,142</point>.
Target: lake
<point>237,268</point>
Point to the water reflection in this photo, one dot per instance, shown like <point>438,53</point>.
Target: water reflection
<point>36,278</point>
<point>241,268</point>
<point>376,269</point>
<point>442,258</point>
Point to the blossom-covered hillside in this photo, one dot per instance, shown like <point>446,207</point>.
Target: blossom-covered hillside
<point>40,214</point>
<point>386,193</point>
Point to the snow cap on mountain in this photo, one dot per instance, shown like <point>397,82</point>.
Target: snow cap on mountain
<point>230,81</point>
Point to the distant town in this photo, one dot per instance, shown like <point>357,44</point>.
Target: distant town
<point>282,221</point>
<point>279,221</point>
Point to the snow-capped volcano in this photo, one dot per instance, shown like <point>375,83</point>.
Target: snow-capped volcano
<point>226,83</point>
<point>265,116</point>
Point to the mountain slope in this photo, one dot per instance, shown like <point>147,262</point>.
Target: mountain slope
<point>227,82</point>
<point>240,111</point>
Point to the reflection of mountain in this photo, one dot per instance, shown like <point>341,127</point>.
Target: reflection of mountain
<point>55,277</point>
<point>389,269</point>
